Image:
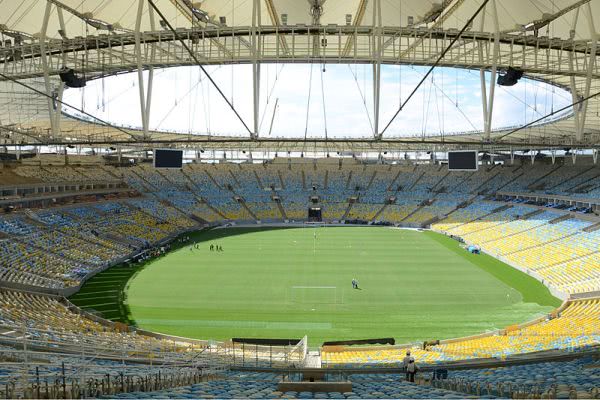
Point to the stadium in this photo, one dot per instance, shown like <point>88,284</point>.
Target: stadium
<point>329,199</point>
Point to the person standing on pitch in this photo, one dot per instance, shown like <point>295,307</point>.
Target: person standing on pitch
<point>354,283</point>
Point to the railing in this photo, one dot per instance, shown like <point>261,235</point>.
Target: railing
<point>70,381</point>
<point>40,363</point>
<point>270,356</point>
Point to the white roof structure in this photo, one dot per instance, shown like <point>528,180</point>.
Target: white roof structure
<point>550,40</point>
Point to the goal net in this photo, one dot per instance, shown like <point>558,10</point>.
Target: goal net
<point>314,295</point>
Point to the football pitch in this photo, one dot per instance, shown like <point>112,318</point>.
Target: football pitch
<point>291,282</point>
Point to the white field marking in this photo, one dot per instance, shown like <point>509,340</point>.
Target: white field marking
<point>314,287</point>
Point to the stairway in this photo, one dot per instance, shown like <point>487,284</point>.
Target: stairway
<point>438,182</point>
<point>585,184</point>
<point>478,188</point>
<point>213,209</point>
<point>510,181</point>
<point>585,171</point>
<point>496,210</point>
<point>534,185</point>
<point>540,244</point>
<point>147,185</point>
<point>382,209</point>
<point>281,210</point>
<point>280,179</point>
<point>510,235</point>
<point>371,180</point>
<point>213,179</point>
<point>234,178</point>
<point>243,204</point>
<point>259,182</point>
<point>348,180</point>
<point>350,204</point>
<point>416,210</point>
<point>193,186</point>
<point>415,182</point>
<point>570,260</point>
<point>394,180</point>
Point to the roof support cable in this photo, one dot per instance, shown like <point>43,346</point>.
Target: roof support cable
<point>582,100</point>
<point>441,56</point>
<point>362,96</point>
<point>270,93</point>
<point>101,121</point>
<point>308,102</point>
<point>187,48</point>
<point>324,108</point>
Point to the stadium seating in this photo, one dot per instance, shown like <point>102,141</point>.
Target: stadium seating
<point>209,192</point>
<point>264,385</point>
<point>577,326</point>
<point>560,380</point>
<point>465,215</point>
<point>57,247</point>
<point>50,321</point>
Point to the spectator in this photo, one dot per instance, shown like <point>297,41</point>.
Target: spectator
<point>411,370</point>
<point>405,362</point>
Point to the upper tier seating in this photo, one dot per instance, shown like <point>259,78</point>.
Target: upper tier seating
<point>210,192</point>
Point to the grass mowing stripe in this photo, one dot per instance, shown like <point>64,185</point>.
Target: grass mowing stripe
<point>530,288</point>
<point>415,286</point>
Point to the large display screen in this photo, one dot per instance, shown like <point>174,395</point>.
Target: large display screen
<point>462,160</point>
<point>166,158</point>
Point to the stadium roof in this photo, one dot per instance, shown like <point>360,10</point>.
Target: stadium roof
<point>550,40</point>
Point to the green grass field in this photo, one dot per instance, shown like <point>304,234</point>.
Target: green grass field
<point>285,283</point>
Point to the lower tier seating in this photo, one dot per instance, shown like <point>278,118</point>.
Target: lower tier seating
<point>575,327</point>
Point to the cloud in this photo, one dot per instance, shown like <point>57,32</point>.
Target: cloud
<point>341,100</point>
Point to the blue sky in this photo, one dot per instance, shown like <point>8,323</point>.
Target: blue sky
<point>341,100</point>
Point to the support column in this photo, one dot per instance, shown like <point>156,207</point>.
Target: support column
<point>482,81</point>
<point>377,46</point>
<point>140,70</point>
<point>61,86</point>
<point>590,70</point>
<point>52,106</point>
<point>150,69</point>
<point>255,65</point>
<point>496,50</point>
<point>572,84</point>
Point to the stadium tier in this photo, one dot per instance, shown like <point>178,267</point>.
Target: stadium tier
<point>574,327</point>
<point>290,199</point>
<point>566,379</point>
<point>58,247</point>
<point>65,245</point>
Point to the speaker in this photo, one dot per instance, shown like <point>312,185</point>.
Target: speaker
<point>67,75</point>
<point>510,78</point>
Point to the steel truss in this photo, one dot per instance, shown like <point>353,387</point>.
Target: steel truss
<point>107,54</point>
<point>570,64</point>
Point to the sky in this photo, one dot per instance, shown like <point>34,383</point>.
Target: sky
<point>316,100</point>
